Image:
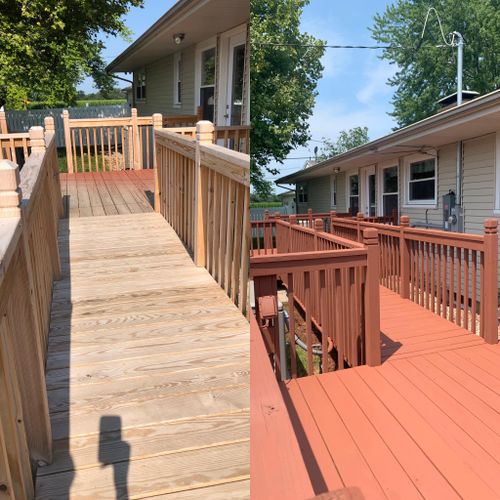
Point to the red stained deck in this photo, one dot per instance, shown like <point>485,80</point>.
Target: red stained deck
<point>423,424</point>
<point>108,193</point>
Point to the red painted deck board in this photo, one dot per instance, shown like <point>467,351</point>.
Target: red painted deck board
<point>108,193</point>
<point>424,424</point>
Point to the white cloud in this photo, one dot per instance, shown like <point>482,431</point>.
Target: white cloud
<point>375,87</point>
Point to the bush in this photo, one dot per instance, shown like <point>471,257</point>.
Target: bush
<point>266,204</point>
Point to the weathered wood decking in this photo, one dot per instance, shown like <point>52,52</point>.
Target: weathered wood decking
<point>88,194</point>
<point>423,424</point>
<point>147,370</point>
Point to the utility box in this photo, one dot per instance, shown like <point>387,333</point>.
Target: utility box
<point>453,219</point>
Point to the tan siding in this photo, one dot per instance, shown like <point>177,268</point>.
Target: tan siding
<point>341,194</point>
<point>160,86</point>
<point>446,181</point>
<point>319,194</point>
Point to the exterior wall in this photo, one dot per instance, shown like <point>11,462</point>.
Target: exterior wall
<point>320,194</point>
<point>446,180</point>
<point>341,193</point>
<point>160,86</point>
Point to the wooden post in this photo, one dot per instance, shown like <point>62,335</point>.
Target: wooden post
<point>489,310</point>
<point>67,140</point>
<point>333,215</point>
<point>3,123</point>
<point>360,217</point>
<point>10,192</point>
<point>157,125</point>
<point>310,217</point>
<point>37,140</point>
<point>372,298</point>
<point>135,141</point>
<point>318,226</point>
<point>404,253</point>
<point>293,221</point>
<point>50,126</point>
<point>204,135</point>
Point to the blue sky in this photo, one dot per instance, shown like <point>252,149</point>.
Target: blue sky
<point>353,91</point>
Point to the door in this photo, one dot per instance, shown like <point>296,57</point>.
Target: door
<point>370,192</point>
<point>235,77</point>
<point>390,191</point>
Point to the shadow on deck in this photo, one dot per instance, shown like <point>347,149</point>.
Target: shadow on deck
<point>147,368</point>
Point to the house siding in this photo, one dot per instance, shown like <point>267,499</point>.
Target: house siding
<point>160,86</point>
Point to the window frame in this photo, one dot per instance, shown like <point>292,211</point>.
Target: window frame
<point>178,79</point>
<point>305,193</point>
<point>408,162</point>
<point>141,77</point>
<point>352,173</point>
<point>382,191</point>
<point>333,191</point>
<point>210,43</point>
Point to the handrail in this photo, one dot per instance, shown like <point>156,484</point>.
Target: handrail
<point>203,191</point>
<point>30,206</point>
<point>15,147</point>
<point>334,286</point>
<point>454,275</point>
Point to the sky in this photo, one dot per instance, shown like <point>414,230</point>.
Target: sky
<point>353,90</point>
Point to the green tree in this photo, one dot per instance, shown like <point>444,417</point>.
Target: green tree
<point>346,140</point>
<point>427,73</point>
<point>283,83</point>
<point>49,46</point>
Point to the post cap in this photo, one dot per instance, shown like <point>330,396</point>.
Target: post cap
<point>370,236</point>
<point>404,220</point>
<point>333,213</point>
<point>10,192</point>
<point>360,216</point>
<point>309,210</point>
<point>49,124</point>
<point>491,226</point>
<point>277,215</point>
<point>293,219</point>
<point>318,224</point>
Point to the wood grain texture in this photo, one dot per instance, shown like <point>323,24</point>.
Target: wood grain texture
<point>148,365</point>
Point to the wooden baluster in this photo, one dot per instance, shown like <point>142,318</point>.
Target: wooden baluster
<point>489,309</point>
<point>291,325</point>
<point>136,140</point>
<point>404,252</point>
<point>67,140</point>
<point>372,298</point>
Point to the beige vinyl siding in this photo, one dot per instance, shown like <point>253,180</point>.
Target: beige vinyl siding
<point>160,86</point>
<point>341,194</point>
<point>319,194</point>
<point>446,179</point>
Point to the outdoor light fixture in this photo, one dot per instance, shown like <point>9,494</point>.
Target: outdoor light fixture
<point>178,37</point>
<point>336,170</point>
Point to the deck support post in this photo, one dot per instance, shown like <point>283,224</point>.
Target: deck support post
<point>372,298</point>
<point>136,141</point>
<point>404,253</point>
<point>67,140</point>
<point>157,124</point>
<point>50,129</point>
<point>204,135</point>
<point>489,296</point>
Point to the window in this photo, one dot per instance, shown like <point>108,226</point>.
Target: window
<point>302,193</point>
<point>140,89</point>
<point>207,84</point>
<point>389,191</point>
<point>422,181</point>
<point>354,193</point>
<point>333,190</point>
<point>178,78</point>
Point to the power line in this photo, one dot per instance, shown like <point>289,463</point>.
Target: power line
<point>325,46</point>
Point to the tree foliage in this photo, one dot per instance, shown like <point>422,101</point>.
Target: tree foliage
<point>427,73</point>
<point>48,46</point>
<point>346,140</point>
<point>283,83</point>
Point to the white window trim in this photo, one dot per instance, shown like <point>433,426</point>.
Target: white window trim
<point>333,191</point>
<point>380,194</point>
<point>208,44</point>
<point>141,72</point>
<point>348,176</point>
<point>177,78</point>
<point>408,160</point>
<point>497,173</point>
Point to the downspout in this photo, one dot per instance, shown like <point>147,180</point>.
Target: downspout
<point>460,58</point>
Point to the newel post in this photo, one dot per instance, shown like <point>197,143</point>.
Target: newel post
<point>489,310</point>
<point>67,141</point>
<point>37,140</point>
<point>404,253</point>
<point>3,123</point>
<point>310,217</point>
<point>204,136</point>
<point>318,226</point>
<point>372,298</point>
<point>136,140</point>
<point>290,245</point>
<point>50,126</point>
<point>10,192</point>
<point>333,216</point>
<point>157,124</point>
<point>360,217</point>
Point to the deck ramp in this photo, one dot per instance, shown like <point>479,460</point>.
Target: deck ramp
<point>147,369</point>
<point>424,424</point>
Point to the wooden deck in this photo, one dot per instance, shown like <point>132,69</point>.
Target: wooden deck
<point>424,424</point>
<point>107,193</point>
<point>148,361</point>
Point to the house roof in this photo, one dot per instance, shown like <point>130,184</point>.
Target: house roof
<point>472,119</point>
<point>197,19</point>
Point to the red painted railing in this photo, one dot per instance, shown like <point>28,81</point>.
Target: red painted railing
<point>454,275</point>
<point>332,281</point>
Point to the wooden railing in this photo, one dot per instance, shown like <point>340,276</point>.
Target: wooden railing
<point>454,275</point>
<point>203,191</point>
<point>333,282</point>
<point>30,205</point>
<point>234,137</point>
<point>15,147</point>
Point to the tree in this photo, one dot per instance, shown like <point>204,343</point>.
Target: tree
<point>427,73</point>
<point>283,83</point>
<point>48,46</point>
<point>346,140</point>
